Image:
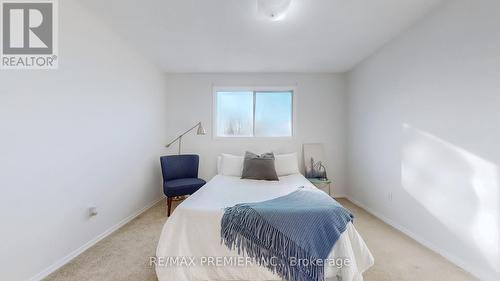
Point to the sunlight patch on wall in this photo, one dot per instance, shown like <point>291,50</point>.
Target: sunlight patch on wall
<point>457,187</point>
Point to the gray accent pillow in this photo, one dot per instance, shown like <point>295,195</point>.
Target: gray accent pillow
<point>259,167</point>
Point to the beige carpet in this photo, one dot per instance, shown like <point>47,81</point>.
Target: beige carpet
<point>124,255</point>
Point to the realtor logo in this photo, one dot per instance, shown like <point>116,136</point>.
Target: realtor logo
<point>29,33</point>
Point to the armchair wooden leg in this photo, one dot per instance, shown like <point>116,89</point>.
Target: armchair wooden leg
<point>169,205</point>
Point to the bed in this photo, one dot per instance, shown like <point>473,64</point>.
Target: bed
<point>193,233</point>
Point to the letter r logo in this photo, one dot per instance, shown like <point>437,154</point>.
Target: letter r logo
<point>27,28</point>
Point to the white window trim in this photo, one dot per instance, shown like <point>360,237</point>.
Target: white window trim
<point>216,89</point>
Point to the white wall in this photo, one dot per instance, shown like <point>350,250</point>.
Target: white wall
<point>424,126</point>
<point>320,117</point>
<point>87,134</point>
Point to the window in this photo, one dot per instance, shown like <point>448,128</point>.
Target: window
<point>253,113</point>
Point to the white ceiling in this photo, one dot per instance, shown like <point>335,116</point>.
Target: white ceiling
<point>228,36</point>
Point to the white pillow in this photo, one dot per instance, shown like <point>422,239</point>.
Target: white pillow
<point>286,164</point>
<point>219,165</point>
<point>232,165</point>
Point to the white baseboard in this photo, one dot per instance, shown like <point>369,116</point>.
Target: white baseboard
<point>479,273</point>
<point>58,264</point>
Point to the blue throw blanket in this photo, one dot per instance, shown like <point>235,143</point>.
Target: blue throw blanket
<point>279,233</point>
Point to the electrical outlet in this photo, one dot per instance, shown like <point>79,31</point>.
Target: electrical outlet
<point>389,196</point>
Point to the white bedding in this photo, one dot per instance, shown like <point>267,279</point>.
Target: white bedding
<point>193,231</point>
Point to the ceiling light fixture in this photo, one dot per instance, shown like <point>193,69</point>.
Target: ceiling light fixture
<point>274,10</point>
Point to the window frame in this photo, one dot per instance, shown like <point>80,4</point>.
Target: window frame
<point>262,89</point>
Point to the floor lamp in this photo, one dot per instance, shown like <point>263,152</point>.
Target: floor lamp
<point>199,131</point>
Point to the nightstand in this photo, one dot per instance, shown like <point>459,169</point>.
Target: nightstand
<point>322,184</point>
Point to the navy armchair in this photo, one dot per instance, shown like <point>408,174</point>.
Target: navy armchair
<point>180,176</point>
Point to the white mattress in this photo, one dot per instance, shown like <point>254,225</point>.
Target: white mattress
<point>193,231</point>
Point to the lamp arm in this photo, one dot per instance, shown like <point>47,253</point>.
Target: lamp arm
<point>187,131</point>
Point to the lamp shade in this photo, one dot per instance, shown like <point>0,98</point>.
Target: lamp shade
<point>201,130</point>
